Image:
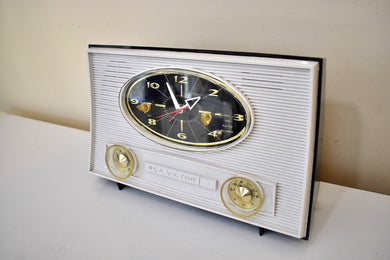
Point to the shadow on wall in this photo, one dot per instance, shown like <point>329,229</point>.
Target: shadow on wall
<point>341,146</point>
<point>60,120</point>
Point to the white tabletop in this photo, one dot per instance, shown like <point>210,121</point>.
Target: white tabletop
<point>52,208</point>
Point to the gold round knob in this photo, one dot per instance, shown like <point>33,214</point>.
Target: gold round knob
<point>120,161</point>
<point>242,196</point>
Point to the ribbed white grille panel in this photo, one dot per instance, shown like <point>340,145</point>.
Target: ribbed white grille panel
<point>278,148</point>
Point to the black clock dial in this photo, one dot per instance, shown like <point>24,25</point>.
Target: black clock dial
<point>185,109</point>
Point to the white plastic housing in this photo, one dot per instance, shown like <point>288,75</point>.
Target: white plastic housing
<point>278,153</point>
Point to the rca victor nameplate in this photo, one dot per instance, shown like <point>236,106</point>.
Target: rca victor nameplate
<point>228,132</point>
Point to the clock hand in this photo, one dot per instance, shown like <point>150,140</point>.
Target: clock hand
<point>175,103</point>
<point>177,111</point>
<point>193,104</point>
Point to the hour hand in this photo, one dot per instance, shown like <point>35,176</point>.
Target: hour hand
<point>191,102</point>
<point>175,103</point>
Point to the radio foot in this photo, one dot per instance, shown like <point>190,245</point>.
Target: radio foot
<point>261,231</point>
<point>120,186</point>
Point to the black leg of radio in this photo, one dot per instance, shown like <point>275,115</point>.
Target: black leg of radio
<point>120,186</point>
<point>261,231</point>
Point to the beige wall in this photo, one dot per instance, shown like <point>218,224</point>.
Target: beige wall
<point>44,71</point>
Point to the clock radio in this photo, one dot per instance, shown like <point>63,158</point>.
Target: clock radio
<point>233,133</point>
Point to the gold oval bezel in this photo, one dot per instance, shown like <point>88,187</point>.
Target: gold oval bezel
<point>180,144</point>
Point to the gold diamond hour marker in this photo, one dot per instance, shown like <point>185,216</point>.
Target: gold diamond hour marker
<point>244,194</point>
<point>144,107</point>
<point>123,161</point>
<point>206,117</point>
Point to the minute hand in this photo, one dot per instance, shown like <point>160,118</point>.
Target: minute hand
<point>175,103</point>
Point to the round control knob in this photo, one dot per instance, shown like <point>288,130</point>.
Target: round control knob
<point>242,196</point>
<point>120,161</point>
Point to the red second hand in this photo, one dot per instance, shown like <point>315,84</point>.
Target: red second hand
<point>177,111</point>
<point>167,113</point>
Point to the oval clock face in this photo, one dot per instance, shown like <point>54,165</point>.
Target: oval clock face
<point>186,109</point>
